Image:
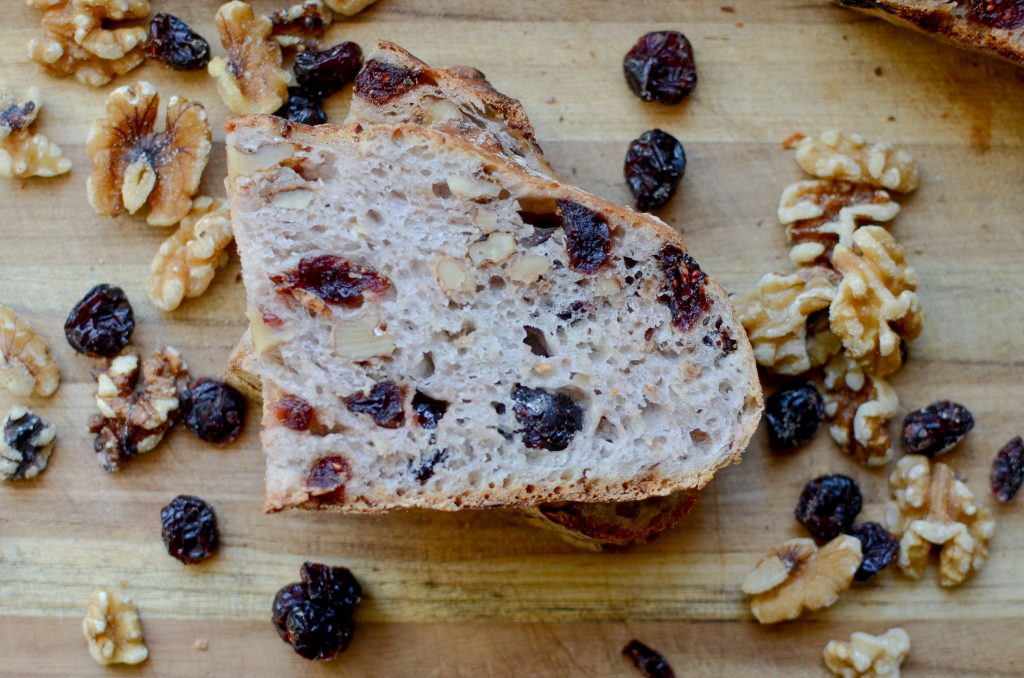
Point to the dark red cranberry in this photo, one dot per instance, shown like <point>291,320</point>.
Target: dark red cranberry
<point>101,323</point>
<point>329,473</point>
<point>683,287</point>
<point>660,67</point>
<point>649,662</point>
<point>321,74</point>
<point>314,616</point>
<point>587,237</point>
<point>428,410</point>
<point>878,547</point>
<point>316,631</point>
<point>383,403</point>
<point>302,108</point>
<point>937,428</point>
<point>189,529</point>
<point>549,420</point>
<point>654,165</point>
<point>792,415</point>
<point>174,43</point>
<point>333,279</point>
<point>294,412</point>
<point>1005,14</point>
<point>425,470</point>
<point>380,82</point>
<point>287,598</point>
<point>333,585</point>
<point>828,506</point>
<point>214,411</point>
<point>1008,470</point>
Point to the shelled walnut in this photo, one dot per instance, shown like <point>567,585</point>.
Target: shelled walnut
<point>933,508</point>
<point>849,157</point>
<point>112,628</point>
<point>796,575</point>
<point>876,303</point>
<point>26,367</point>
<point>349,7</point>
<point>186,262</point>
<point>134,165</point>
<point>868,656</point>
<point>858,407</point>
<point>22,153</point>
<point>298,26</point>
<point>784,317</point>
<point>250,79</point>
<point>26,444</point>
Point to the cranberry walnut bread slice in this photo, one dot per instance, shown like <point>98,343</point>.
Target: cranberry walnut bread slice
<point>438,327</point>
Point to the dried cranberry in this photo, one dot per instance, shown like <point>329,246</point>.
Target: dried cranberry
<point>828,506</point>
<point>214,411</point>
<point>660,67</point>
<point>425,470</point>
<point>384,404</point>
<point>380,82</point>
<point>878,547</point>
<point>321,74</point>
<point>315,616</point>
<point>302,108</point>
<point>315,630</point>
<point>189,529</point>
<point>173,42</point>
<point>101,323</point>
<point>333,585</point>
<point>287,598</point>
<point>329,473</point>
<point>549,420</point>
<point>333,279</point>
<point>1006,14</point>
<point>294,412</point>
<point>650,663</point>
<point>793,415</point>
<point>428,410</point>
<point>654,165</point>
<point>683,289</point>
<point>587,238</point>
<point>937,428</point>
<point>1008,470</point>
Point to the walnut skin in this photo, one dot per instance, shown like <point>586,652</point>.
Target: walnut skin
<point>250,79</point>
<point>867,656</point>
<point>22,153</point>
<point>26,367</point>
<point>133,165</point>
<point>112,628</point>
<point>858,407</point>
<point>836,155</point>
<point>298,26</point>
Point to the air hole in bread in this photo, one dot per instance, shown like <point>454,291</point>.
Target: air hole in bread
<point>496,282</point>
<point>699,437</point>
<point>441,189</point>
<point>537,342</point>
<point>374,216</point>
<point>425,367</point>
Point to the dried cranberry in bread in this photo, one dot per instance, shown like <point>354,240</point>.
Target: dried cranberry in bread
<point>570,349</point>
<point>991,26</point>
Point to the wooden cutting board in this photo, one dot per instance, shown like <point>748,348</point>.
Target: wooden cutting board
<point>475,594</point>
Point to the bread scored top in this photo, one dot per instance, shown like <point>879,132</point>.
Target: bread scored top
<point>439,327</point>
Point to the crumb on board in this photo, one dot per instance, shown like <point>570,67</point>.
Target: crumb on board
<point>790,142</point>
<point>202,644</point>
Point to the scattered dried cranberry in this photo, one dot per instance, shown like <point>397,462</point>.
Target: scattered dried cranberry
<point>549,420</point>
<point>654,165</point>
<point>380,82</point>
<point>101,323</point>
<point>587,238</point>
<point>174,43</point>
<point>793,415</point>
<point>284,601</point>
<point>1008,470</point>
<point>316,631</point>
<point>428,411</point>
<point>937,428</point>
<point>660,67</point>
<point>302,108</point>
<point>683,289</point>
<point>878,547</point>
<point>650,663</point>
<point>384,404</point>
<point>1007,14</point>
<point>333,279</point>
<point>828,506</point>
<point>214,411</point>
<point>315,616</point>
<point>189,529</point>
<point>321,74</point>
<point>294,412</point>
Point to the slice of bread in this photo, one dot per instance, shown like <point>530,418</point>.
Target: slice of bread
<point>439,327</point>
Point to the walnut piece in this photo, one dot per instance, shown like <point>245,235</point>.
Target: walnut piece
<point>836,155</point>
<point>784,317</point>
<point>818,214</point>
<point>26,444</point>
<point>858,407</point>
<point>22,153</point>
<point>876,303</point>
<point>26,366</point>
<point>82,38</point>
<point>250,79</point>
<point>134,165</point>
<point>796,575</point>
<point>867,656</point>
<point>298,26</point>
<point>112,627</point>
<point>933,508</point>
<point>186,262</point>
<point>132,423</point>
<point>349,7</point>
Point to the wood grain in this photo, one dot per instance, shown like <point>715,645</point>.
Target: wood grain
<point>479,593</point>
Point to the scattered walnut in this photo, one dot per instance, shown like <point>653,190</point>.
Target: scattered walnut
<point>23,154</point>
<point>134,165</point>
<point>25,445</point>
<point>876,303</point>
<point>835,155</point>
<point>858,407</point>
<point>933,508</point>
<point>298,26</point>
<point>818,214</point>
<point>796,575</point>
<point>250,79</point>
<point>186,262</point>
<point>867,656</point>
<point>779,315</point>
<point>112,627</point>
<point>349,7</point>
<point>26,367</point>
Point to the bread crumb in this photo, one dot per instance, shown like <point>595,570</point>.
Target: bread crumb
<point>202,644</point>
<point>790,142</point>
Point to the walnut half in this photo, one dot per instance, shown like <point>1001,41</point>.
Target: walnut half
<point>112,628</point>
<point>868,656</point>
<point>858,407</point>
<point>836,155</point>
<point>22,153</point>
<point>250,79</point>
<point>26,367</point>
